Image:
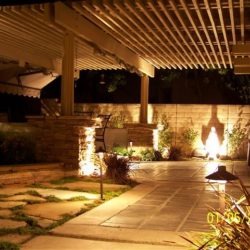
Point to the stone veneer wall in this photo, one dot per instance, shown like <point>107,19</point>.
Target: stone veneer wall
<point>58,138</point>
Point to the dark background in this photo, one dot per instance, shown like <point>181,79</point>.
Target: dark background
<point>168,86</point>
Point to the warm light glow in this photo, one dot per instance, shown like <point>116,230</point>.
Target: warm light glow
<point>155,139</point>
<point>211,167</point>
<point>223,148</point>
<point>86,152</point>
<point>212,144</point>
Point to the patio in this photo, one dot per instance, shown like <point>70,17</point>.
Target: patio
<point>172,200</point>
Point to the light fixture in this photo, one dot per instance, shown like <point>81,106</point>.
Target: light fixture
<point>221,176</point>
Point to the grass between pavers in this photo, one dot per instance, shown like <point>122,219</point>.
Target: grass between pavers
<point>5,245</point>
<point>71,179</point>
<point>32,225</point>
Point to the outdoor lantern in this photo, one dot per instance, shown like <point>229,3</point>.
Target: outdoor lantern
<point>221,176</point>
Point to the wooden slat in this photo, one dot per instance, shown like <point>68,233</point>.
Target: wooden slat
<point>198,12</point>
<point>215,31</point>
<point>242,21</point>
<point>154,40</point>
<point>173,5</point>
<point>231,13</point>
<point>224,32</point>
<point>164,35</point>
<point>187,11</point>
<point>241,70</point>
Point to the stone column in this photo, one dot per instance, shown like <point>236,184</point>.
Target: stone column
<point>67,84</point>
<point>144,99</point>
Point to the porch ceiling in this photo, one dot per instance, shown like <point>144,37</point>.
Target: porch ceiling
<point>135,35</point>
<point>175,33</point>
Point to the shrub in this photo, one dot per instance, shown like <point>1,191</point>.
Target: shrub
<point>117,168</point>
<point>235,139</point>
<point>148,155</point>
<point>174,153</point>
<point>122,151</point>
<point>165,135</point>
<point>188,137</point>
<point>16,148</point>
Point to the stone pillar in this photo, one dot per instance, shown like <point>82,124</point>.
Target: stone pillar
<point>144,99</point>
<point>67,85</point>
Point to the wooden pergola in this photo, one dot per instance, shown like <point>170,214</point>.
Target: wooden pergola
<point>141,35</point>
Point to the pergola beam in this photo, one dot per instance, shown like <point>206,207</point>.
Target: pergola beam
<point>241,49</point>
<point>242,70</point>
<point>81,27</point>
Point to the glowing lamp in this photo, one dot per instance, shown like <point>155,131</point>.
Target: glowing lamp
<point>221,176</point>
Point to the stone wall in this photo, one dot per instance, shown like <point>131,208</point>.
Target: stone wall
<point>179,116</point>
<point>58,138</point>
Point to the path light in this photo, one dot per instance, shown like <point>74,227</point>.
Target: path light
<point>221,176</point>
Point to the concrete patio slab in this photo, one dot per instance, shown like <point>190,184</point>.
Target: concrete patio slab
<point>61,243</point>
<point>105,211</point>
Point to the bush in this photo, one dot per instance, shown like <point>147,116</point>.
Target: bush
<point>148,155</point>
<point>188,137</point>
<point>165,135</point>
<point>117,168</point>
<point>174,153</point>
<point>16,148</point>
<point>235,139</point>
<point>123,151</point>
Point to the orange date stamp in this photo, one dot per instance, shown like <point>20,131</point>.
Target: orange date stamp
<point>228,216</point>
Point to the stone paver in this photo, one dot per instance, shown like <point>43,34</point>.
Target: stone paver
<point>54,210</point>
<point>13,190</point>
<point>15,238</point>
<point>171,200</point>
<point>91,186</point>
<point>43,222</point>
<point>6,223</point>
<point>65,194</point>
<point>24,197</point>
<point>5,213</point>
<point>10,204</point>
<point>59,243</point>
